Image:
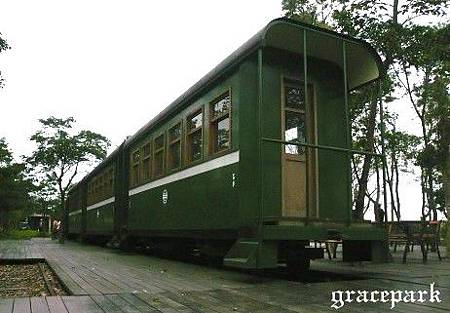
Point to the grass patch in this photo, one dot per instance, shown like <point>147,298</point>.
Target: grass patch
<point>19,234</point>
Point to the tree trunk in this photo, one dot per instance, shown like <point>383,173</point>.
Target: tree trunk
<point>397,195</point>
<point>371,123</point>
<point>64,214</point>
<point>423,187</point>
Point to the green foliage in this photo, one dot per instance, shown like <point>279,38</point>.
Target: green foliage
<point>403,145</point>
<point>14,191</point>
<point>416,60</point>
<point>3,46</point>
<point>19,234</point>
<point>311,12</point>
<point>59,154</point>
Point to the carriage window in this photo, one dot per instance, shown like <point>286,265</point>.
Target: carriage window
<point>158,166</point>
<point>146,162</point>
<point>101,187</point>
<point>89,194</point>
<point>194,137</point>
<point>104,185</point>
<point>135,159</point>
<point>295,97</point>
<point>111,181</point>
<point>94,190</point>
<point>195,121</point>
<point>175,147</point>
<point>294,118</point>
<point>220,123</point>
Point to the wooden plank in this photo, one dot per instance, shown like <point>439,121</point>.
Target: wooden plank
<point>81,304</point>
<point>6,305</point>
<point>39,305</point>
<point>71,284</point>
<point>86,288</point>
<point>87,279</point>
<point>139,303</point>
<point>162,303</point>
<point>125,306</point>
<point>56,305</point>
<point>22,305</point>
<point>140,283</point>
<point>185,299</point>
<point>105,304</point>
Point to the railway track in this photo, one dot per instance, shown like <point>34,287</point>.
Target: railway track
<point>29,279</point>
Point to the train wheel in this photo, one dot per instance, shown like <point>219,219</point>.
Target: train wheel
<point>297,265</point>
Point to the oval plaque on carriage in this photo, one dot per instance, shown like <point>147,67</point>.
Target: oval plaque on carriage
<point>165,196</point>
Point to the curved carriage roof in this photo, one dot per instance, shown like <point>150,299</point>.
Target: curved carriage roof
<point>363,62</point>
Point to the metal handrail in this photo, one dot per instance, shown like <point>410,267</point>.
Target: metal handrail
<point>332,148</point>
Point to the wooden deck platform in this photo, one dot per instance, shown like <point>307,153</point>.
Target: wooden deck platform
<point>107,280</point>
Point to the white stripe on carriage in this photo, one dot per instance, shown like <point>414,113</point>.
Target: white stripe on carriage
<point>74,212</point>
<point>216,163</point>
<point>101,203</point>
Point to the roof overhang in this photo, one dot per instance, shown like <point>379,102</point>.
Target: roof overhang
<point>362,62</point>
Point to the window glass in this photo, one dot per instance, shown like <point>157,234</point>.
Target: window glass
<point>159,163</point>
<point>222,135</point>
<point>175,132</point>
<point>294,97</point>
<point>135,175</point>
<point>111,181</point>
<point>158,168</point>
<point>294,131</point>
<point>222,106</point>
<point>146,150</point>
<point>195,121</point>
<point>220,123</point>
<point>146,162</point>
<point>146,168</point>
<point>159,142</point>
<point>175,146</point>
<point>136,156</point>
<point>195,145</point>
<point>174,155</point>
<point>194,137</point>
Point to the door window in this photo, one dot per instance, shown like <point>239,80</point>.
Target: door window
<point>294,131</point>
<point>294,118</point>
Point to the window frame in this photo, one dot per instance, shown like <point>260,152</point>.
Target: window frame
<point>292,83</point>
<point>155,152</point>
<point>171,143</point>
<point>212,121</point>
<point>144,158</point>
<point>135,181</point>
<point>111,180</point>
<point>191,132</point>
<point>89,193</point>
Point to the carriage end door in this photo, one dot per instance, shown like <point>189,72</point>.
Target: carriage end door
<point>298,164</point>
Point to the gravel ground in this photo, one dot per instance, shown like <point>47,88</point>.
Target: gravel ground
<point>26,280</point>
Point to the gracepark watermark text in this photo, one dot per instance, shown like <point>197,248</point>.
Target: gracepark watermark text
<point>340,298</point>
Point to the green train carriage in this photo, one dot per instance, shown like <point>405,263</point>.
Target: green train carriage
<point>252,162</point>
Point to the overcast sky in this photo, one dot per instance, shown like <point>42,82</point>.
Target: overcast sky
<point>113,65</point>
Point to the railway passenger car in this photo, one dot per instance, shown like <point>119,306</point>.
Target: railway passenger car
<point>252,163</point>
